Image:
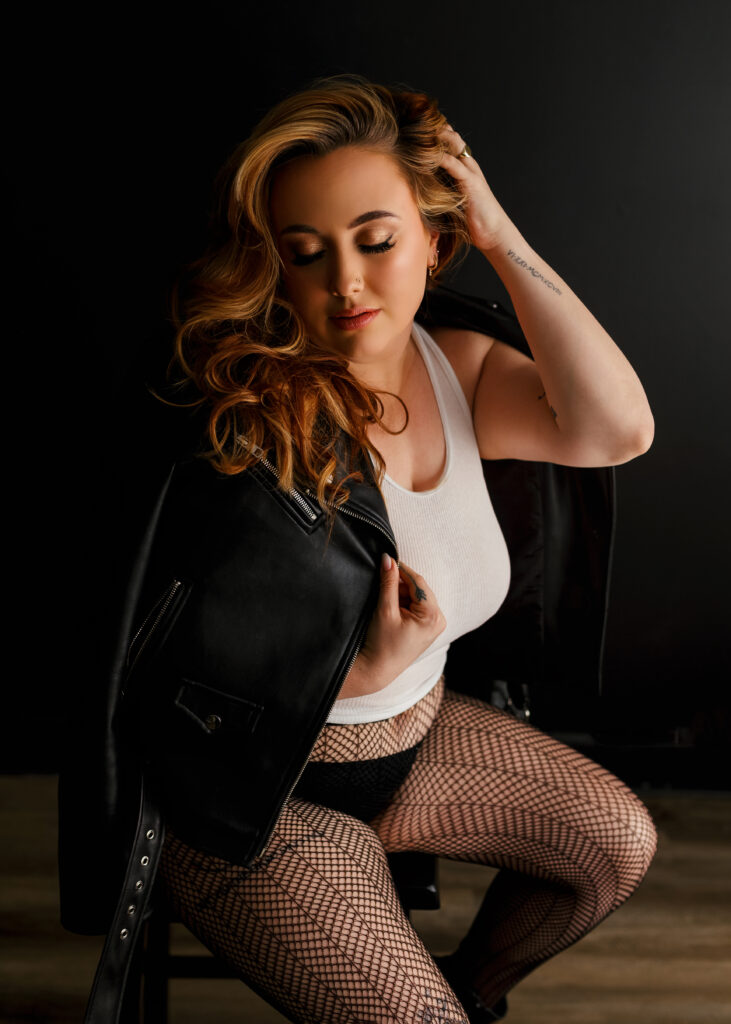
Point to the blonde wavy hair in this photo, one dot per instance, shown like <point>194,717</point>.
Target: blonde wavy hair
<point>239,340</point>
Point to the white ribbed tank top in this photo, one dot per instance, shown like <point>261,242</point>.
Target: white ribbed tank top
<point>451,536</point>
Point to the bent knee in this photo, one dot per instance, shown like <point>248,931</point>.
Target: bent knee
<point>636,846</point>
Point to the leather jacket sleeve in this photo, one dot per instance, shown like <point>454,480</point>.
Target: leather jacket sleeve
<point>97,792</point>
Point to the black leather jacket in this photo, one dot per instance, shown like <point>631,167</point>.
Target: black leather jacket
<point>243,611</point>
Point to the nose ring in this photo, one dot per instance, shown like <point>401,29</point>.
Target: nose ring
<point>356,281</point>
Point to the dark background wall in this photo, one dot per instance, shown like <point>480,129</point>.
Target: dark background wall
<point>603,130</point>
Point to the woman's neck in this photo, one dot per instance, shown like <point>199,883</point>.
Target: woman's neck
<point>389,373</point>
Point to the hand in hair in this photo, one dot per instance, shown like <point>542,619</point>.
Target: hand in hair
<point>485,217</point>
<point>406,621</point>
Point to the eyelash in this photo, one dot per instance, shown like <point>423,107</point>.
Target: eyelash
<point>302,260</point>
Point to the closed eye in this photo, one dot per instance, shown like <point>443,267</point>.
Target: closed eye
<point>301,259</point>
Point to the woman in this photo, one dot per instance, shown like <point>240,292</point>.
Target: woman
<point>297,328</point>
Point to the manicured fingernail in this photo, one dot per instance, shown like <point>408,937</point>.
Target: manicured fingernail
<point>386,561</point>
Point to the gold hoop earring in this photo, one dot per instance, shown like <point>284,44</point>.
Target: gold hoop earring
<point>433,266</point>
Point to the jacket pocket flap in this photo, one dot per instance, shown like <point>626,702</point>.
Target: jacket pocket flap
<point>217,712</point>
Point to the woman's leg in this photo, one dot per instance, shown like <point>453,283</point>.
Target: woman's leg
<point>572,840</point>
<point>313,924</point>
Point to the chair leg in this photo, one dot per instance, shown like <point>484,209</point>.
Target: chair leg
<point>129,1012</point>
<point>155,971</point>
<point>416,877</point>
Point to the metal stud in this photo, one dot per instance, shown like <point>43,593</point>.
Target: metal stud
<point>213,722</point>
<point>150,834</point>
<point>131,910</point>
<point>145,861</point>
<point>139,886</point>
<point>123,934</point>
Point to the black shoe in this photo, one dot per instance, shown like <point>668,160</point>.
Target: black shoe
<point>477,1011</point>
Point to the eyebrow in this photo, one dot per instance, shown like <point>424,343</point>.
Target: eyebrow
<point>362,219</point>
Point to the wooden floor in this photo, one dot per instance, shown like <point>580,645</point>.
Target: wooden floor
<point>662,958</point>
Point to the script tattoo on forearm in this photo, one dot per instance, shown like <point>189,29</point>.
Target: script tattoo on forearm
<point>543,395</point>
<point>420,594</point>
<point>532,271</point>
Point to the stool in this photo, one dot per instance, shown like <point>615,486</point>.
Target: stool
<point>415,877</point>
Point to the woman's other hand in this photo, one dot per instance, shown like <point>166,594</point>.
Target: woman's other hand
<point>406,621</point>
<point>486,219</point>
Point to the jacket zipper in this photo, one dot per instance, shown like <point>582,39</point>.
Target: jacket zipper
<point>161,607</point>
<point>367,519</point>
<point>259,454</point>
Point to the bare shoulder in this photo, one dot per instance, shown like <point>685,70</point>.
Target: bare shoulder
<point>465,351</point>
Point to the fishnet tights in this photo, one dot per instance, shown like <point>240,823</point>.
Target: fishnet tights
<point>314,923</point>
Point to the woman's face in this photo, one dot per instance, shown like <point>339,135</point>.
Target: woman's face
<point>351,237</point>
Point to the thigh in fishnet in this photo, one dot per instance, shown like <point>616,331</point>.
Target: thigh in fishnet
<point>572,840</point>
<point>314,924</point>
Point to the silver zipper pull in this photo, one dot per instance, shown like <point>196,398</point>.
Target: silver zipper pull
<point>256,451</point>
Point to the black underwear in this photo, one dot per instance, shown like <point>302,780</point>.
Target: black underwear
<point>359,788</point>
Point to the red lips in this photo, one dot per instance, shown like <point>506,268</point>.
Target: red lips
<point>355,311</point>
<point>352,319</point>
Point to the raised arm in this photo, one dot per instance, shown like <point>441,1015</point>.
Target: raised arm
<point>580,403</point>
